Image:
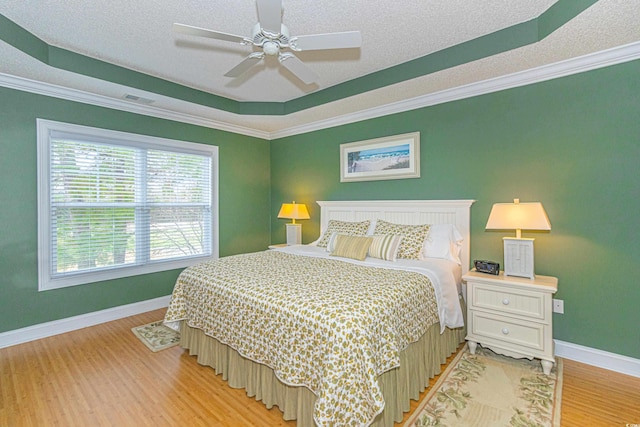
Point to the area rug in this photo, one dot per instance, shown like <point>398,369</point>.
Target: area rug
<point>487,389</point>
<point>157,336</point>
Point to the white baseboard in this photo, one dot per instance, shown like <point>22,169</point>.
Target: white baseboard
<point>48,329</point>
<point>601,359</point>
<point>591,356</point>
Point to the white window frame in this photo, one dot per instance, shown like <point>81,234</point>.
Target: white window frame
<point>44,129</point>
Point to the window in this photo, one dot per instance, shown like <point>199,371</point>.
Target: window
<point>113,204</point>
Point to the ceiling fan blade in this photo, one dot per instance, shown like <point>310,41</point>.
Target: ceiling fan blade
<point>270,15</point>
<point>349,39</point>
<point>246,63</point>
<point>202,32</point>
<point>298,68</point>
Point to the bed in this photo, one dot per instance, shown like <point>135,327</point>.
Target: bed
<point>334,333</point>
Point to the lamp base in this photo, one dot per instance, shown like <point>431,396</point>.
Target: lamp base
<point>294,234</point>
<point>518,257</point>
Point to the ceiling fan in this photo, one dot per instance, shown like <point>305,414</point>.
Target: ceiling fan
<point>272,37</point>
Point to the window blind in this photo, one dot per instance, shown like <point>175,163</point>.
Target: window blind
<point>122,204</point>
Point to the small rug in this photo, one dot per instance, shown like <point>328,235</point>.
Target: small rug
<point>487,389</point>
<point>157,336</point>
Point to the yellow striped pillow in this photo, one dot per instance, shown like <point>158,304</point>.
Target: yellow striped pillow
<point>354,247</point>
<point>385,246</point>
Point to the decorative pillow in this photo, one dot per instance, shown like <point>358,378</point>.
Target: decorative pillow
<point>355,247</point>
<point>413,237</point>
<point>331,244</point>
<point>343,227</point>
<point>443,241</point>
<point>385,246</point>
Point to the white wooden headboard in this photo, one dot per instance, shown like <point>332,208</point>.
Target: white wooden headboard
<point>412,212</point>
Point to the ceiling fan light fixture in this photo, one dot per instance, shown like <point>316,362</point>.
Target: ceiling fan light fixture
<point>271,48</point>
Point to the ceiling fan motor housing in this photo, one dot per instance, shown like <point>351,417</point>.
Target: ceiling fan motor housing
<point>261,37</point>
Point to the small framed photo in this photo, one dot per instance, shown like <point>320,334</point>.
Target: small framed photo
<point>391,157</point>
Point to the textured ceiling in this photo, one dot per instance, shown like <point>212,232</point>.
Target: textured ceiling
<point>137,35</point>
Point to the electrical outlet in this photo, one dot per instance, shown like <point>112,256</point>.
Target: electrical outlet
<point>558,306</point>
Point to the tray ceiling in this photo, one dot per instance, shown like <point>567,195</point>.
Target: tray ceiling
<point>403,45</point>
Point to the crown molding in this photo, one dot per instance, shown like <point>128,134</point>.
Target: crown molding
<point>506,39</point>
<point>55,91</point>
<point>556,70</point>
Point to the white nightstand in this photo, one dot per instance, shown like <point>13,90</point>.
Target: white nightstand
<point>279,245</point>
<point>511,315</point>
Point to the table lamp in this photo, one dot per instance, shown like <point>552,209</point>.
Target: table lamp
<point>294,211</point>
<point>518,251</point>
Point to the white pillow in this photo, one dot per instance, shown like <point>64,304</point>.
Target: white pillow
<point>372,227</point>
<point>443,241</point>
<point>331,244</point>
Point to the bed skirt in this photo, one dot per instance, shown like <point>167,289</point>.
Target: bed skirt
<point>419,362</point>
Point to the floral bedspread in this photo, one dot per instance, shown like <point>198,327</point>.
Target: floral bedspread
<point>329,325</point>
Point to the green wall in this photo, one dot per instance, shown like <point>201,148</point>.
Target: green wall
<point>244,206</point>
<point>572,143</point>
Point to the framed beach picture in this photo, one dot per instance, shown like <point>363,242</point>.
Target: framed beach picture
<point>391,157</point>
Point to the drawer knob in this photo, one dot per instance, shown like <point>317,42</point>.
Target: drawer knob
<point>505,331</point>
<point>505,301</point>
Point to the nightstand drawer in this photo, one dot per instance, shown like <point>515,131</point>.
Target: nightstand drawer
<point>509,301</point>
<point>511,315</point>
<point>507,330</point>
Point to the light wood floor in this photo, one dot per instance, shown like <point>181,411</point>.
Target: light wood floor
<point>104,376</point>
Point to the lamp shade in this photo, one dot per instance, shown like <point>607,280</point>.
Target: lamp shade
<point>294,211</point>
<point>518,216</point>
